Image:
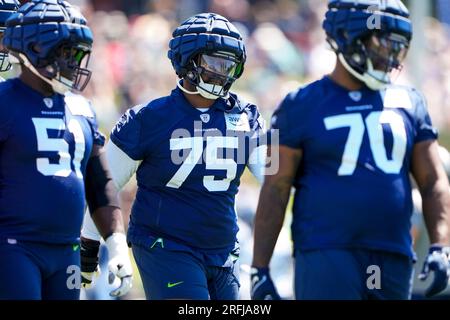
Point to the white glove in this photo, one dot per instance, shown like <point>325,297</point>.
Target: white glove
<point>119,264</point>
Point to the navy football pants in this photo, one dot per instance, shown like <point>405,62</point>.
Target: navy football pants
<point>352,275</point>
<point>169,274</point>
<point>32,271</point>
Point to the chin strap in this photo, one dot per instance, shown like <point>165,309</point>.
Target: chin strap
<point>186,90</point>
<point>368,79</point>
<point>205,94</point>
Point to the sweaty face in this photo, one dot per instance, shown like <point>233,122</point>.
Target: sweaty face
<point>387,51</point>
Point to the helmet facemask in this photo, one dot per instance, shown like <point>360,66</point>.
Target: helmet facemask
<point>373,60</point>
<point>66,70</point>
<point>5,64</point>
<point>69,70</point>
<point>213,74</point>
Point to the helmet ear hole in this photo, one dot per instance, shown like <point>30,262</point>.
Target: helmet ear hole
<point>191,75</point>
<point>35,48</point>
<point>50,69</point>
<point>342,34</point>
<point>357,58</point>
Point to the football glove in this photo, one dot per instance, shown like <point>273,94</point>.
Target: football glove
<point>89,261</point>
<point>438,263</point>
<point>119,264</point>
<point>262,286</point>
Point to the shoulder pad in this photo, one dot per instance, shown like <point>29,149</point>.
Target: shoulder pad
<point>78,105</point>
<point>398,97</point>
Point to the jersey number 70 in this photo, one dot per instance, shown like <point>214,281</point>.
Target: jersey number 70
<point>373,123</point>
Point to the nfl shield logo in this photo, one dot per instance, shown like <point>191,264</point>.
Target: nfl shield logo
<point>355,95</point>
<point>205,117</point>
<point>48,102</point>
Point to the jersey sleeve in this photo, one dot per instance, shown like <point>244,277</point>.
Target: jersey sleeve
<point>424,126</point>
<point>286,125</point>
<point>256,121</point>
<point>99,137</point>
<point>80,106</point>
<point>258,144</point>
<point>121,166</point>
<point>127,134</point>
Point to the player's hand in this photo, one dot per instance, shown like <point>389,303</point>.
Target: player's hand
<point>438,263</point>
<point>262,286</point>
<point>119,264</point>
<point>89,261</point>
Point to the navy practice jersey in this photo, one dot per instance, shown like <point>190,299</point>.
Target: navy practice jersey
<point>352,186</point>
<point>45,144</point>
<point>190,169</point>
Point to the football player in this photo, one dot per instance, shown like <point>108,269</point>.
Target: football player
<point>51,157</point>
<point>189,150</point>
<point>348,143</point>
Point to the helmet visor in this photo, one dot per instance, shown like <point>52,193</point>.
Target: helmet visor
<point>73,64</point>
<point>387,52</point>
<point>217,69</point>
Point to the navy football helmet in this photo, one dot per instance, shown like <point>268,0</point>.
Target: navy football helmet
<point>52,40</point>
<point>370,37</point>
<point>7,7</point>
<point>208,51</point>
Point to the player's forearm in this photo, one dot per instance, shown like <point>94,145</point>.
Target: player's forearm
<point>108,220</point>
<point>268,222</point>
<point>102,195</point>
<point>436,210</point>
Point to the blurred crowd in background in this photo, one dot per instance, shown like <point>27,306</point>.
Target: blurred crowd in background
<point>286,48</point>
